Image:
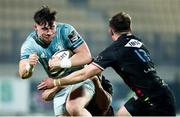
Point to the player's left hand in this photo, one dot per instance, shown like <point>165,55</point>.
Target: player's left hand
<point>46,84</point>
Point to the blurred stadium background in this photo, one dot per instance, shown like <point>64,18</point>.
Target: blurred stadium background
<point>157,22</point>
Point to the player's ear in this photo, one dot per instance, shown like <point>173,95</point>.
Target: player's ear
<point>111,31</point>
<point>35,26</point>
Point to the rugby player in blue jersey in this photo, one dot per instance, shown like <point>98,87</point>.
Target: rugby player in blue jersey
<point>48,38</point>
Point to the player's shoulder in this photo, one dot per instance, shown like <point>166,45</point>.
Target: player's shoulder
<point>64,25</point>
<point>28,44</point>
<point>132,41</point>
<point>64,29</point>
<point>30,38</point>
<point>128,41</point>
<point>31,35</point>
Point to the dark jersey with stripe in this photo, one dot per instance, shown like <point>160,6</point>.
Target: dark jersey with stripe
<point>129,57</point>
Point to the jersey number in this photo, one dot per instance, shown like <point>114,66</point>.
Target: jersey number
<point>142,55</point>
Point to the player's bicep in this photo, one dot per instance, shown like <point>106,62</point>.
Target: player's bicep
<point>82,53</point>
<point>83,48</point>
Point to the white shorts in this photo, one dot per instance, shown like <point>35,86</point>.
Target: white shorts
<point>61,97</point>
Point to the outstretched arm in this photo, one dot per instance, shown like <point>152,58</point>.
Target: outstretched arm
<point>75,77</point>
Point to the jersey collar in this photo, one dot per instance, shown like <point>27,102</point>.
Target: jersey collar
<point>40,42</point>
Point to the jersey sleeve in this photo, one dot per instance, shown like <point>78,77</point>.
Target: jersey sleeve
<point>74,39</point>
<point>26,50</point>
<point>104,59</point>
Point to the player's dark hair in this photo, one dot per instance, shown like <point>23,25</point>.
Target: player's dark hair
<point>120,22</point>
<point>44,16</point>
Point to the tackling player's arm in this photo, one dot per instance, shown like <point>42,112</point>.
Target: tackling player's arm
<point>26,66</point>
<point>80,75</point>
<point>73,78</point>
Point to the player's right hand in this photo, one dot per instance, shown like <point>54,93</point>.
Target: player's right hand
<point>33,59</point>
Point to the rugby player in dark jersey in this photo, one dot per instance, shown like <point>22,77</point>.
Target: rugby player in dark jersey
<point>129,57</point>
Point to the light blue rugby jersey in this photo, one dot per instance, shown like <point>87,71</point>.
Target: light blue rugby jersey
<point>66,38</point>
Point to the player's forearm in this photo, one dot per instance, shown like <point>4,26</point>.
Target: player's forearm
<point>77,76</point>
<point>73,78</point>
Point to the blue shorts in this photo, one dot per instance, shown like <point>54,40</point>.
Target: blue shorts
<point>61,97</point>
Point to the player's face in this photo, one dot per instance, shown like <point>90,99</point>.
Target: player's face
<point>46,32</point>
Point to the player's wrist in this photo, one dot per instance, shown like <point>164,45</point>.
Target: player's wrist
<point>57,82</point>
<point>65,63</point>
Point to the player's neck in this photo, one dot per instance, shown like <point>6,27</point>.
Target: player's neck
<point>117,35</point>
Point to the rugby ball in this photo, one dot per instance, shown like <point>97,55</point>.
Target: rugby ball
<point>63,54</point>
